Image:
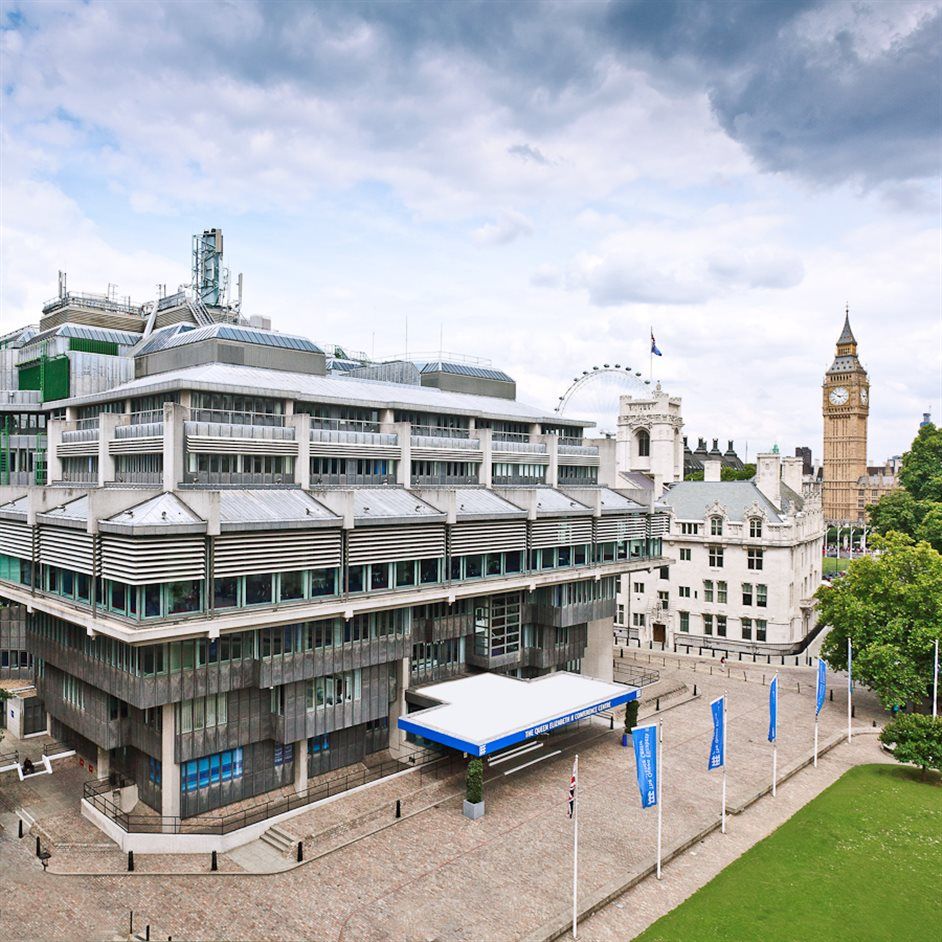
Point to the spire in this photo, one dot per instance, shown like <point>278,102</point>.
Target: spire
<point>847,335</point>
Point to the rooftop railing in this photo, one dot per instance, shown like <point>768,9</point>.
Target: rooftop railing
<point>346,425</point>
<point>440,431</point>
<point>520,445</point>
<point>455,440</point>
<point>236,417</point>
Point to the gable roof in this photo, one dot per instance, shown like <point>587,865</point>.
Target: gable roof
<point>690,500</point>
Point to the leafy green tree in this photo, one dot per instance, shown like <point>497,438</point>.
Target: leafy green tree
<point>922,462</point>
<point>890,606</point>
<point>631,715</point>
<point>746,473</point>
<point>930,529</point>
<point>475,781</point>
<point>917,740</point>
<point>897,510</point>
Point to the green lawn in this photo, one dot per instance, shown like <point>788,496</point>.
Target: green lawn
<point>861,862</point>
<point>829,564</point>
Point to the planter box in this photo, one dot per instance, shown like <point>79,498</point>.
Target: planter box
<point>474,810</point>
<point>626,739</point>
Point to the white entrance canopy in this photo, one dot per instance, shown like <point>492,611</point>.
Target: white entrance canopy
<point>488,712</point>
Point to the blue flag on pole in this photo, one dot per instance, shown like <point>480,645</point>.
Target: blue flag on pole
<point>773,709</point>
<point>654,348</point>
<point>717,751</point>
<point>822,686</point>
<point>644,739</point>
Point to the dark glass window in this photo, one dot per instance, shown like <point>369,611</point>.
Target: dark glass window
<point>292,585</point>
<point>379,576</point>
<point>226,592</point>
<point>258,589</point>
<point>473,567</point>
<point>428,570</point>
<point>151,601</point>
<point>184,596</point>
<point>405,572</point>
<point>355,578</point>
<point>323,582</point>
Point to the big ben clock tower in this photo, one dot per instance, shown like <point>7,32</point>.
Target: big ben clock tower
<point>846,405</point>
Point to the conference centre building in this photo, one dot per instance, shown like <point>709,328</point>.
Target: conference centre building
<point>252,557</point>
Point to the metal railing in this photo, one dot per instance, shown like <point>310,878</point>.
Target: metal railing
<point>153,429</point>
<point>355,480</point>
<point>519,446</point>
<point>517,479</point>
<point>92,422</point>
<point>431,764</point>
<point>565,449</point>
<point>274,433</point>
<point>237,417</point>
<point>343,425</point>
<point>436,480</point>
<point>634,675</point>
<point>138,477</point>
<point>440,431</point>
<point>354,436</point>
<point>147,417</point>
<point>510,437</point>
<point>79,477</point>
<point>444,441</point>
<point>88,434</point>
<point>236,478</point>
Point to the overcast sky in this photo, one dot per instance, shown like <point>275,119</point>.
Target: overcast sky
<point>535,183</point>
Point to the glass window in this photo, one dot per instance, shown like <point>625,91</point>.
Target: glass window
<point>707,590</point>
<point>747,629</point>
<point>429,571</point>
<point>323,582</point>
<point>685,621</point>
<point>151,601</point>
<point>760,629</point>
<point>379,576</point>
<point>513,562</point>
<point>473,567</point>
<point>747,593</point>
<point>258,589</point>
<point>716,557</point>
<point>754,558</point>
<point>755,527</point>
<point>685,555</point>
<point>762,596</point>
<point>405,572</point>
<point>721,592</point>
<point>716,526</point>
<point>721,625</point>
<point>708,624</point>
<point>118,596</point>
<point>184,596</point>
<point>355,577</point>
<point>225,592</point>
<point>291,586</point>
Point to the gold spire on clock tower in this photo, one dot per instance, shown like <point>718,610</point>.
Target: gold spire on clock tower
<point>845,406</point>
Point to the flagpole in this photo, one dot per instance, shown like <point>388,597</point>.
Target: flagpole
<point>660,789</point>
<point>651,356</point>
<point>575,844</point>
<point>850,688</point>
<point>935,681</point>
<point>725,721</point>
<point>775,741</point>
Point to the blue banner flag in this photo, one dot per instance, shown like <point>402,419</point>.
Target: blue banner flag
<point>644,739</point>
<point>773,709</point>
<point>654,348</point>
<point>822,686</point>
<point>718,745</point>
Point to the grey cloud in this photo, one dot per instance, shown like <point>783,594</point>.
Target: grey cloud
<point>527,153</point>
<point>758,271</point>
<point>508,227</point>
<point>618,281</point>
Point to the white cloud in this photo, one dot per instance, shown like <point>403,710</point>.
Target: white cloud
<point>508,227</point>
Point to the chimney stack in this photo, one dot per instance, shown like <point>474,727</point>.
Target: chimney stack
<point>712,469</point>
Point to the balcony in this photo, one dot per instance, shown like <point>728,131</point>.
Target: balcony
<point>589,451</point>
<point>565,616</point>
<point>520,447</point>
<point>89,434</point>
<point>447,439</point>
<point>230,417</point>
<point>367,434</point>
<point>443,628</point>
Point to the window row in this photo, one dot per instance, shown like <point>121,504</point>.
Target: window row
<point>209,770</point>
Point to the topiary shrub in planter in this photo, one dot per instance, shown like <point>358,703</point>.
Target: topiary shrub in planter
<point>474,791</point>
<point>631,720</point>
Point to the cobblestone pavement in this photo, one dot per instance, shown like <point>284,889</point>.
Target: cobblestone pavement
<point>635,910</point>
<point>436,875</point>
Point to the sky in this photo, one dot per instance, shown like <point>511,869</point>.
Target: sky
<point>537,184</point>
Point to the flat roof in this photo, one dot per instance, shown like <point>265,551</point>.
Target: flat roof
<point>485,713</point>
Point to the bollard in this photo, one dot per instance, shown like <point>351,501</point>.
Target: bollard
<point>147,933</point>
<point>711,670</point>
<point>712,652</point>
<point>783,660</point>
<point>398,807</point>
<point>799,687</point>
<point>694,689</point>
<point>740,656</point>
<point>768,659</point>
<point>657,704</point>
<point>38,848</point>
<point>763,680</point>
<point>622,650</point>
<point>874,722</point>
<point>214,865</point>
<point>21,828</point>
<point>831,698</point>
<point>131,923</point>
<point>130,861</point>
<point>300,851</point>
<point>611,721</point>
<point>853,711</point>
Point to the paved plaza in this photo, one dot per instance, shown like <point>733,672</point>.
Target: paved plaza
<point>503,877</point>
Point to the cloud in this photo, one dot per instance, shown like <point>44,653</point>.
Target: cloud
<point>508,227</point>
<point>528,153</point>
<point>546,276</point>
<point>757,269</point>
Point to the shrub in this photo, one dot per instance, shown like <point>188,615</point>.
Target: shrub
<point>475,781</point>
<point>631,715</point>
<point>917,740</point>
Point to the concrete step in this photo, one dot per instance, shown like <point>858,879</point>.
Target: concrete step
<point>282,842</point>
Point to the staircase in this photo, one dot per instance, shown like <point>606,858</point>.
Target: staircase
<point>279,840</point>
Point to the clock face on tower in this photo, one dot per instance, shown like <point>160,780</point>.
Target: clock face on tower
<point>864,395</point>
<point>839,396</point>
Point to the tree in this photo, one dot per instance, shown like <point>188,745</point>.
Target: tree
<point>897,510</point>
<point>746,473</point>
<point>917,740</point>
<point>930,529</point>
<point>474,790</point>
<point>922,462</point>
<point>631,715</point>
<point>890,606</point>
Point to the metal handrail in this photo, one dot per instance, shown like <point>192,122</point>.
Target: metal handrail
<point>344,425</point>
<point>428,762</point>
<point>238,417</point>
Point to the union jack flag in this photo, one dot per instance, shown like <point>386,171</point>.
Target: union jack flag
<point>571,804</point>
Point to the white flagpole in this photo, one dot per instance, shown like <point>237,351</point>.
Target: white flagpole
<point>850,685</point>
<point>775,741</point>
<point>816,740</point>
<point>660,789</point>
<point>935,682</point>
<point>725,718</point>
<point>575,844</point>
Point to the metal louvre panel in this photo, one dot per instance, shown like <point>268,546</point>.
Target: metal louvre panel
<point>210,445</point>
<point>488,536</point>
<point>591,461</point>
<point>658,524</point>
<point>383,544</point>
<point>629,527</point>
<point>138,561</point>
<point>77,449</point>
<point>135,446</point>
<point>508,457</point>
<point>248,553</point>
<point>16,539</point>
<point>561,532</point>
<point>70,549</point>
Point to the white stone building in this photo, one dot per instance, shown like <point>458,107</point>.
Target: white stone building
<point>746,555</point>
